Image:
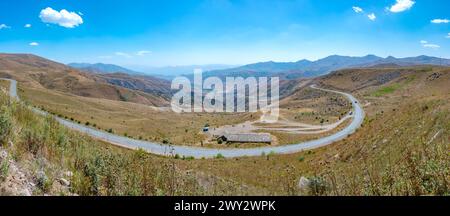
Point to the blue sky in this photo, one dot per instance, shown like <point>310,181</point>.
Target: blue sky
<point>187,32</point>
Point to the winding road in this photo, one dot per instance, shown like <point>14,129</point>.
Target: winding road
<point>170,150</point>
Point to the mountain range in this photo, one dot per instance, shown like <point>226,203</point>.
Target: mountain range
<point>306,68</point>
<point>285,70</point>
<point>100,68</point>
<point>167,73</point>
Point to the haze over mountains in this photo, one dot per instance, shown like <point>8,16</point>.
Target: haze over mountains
<point>101,68</point>
<point>286,70</point>
<point>168,72</point>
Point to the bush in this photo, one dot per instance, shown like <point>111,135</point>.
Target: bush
<point>5,125</point>
<point>32,140</point>
<point>219,156</point>
<point>4,169</point>
<point>317,186</point>
<point>43,182</point>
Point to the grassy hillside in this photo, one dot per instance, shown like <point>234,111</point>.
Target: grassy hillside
<point>46,152</point>
<point>156,124</point>
<point>130,119</point>
<point>402,149</point>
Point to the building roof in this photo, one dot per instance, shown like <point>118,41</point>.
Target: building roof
<point>248,138</point>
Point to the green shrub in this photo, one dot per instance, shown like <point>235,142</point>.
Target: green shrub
<point>317,186</point>
<point>32,140</point>
<point>4,169</point>
<point>43,182</point>
<point>190,158</point>
<point>5,125</point>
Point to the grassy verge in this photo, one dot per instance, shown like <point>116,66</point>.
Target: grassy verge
<point>385,90</point>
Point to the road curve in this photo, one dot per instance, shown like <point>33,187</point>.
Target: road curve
<point>170,150</point>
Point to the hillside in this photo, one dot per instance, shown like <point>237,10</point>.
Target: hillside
<point>38,72</point>
<point>402,148</point>
<point>148,84</point>
<point>39,157</point>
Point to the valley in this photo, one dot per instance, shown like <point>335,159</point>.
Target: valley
<point>400,149</point>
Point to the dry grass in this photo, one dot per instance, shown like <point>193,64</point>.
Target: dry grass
<point>151,123</point>
<point>41,145</point>
<point>402,148</point>
<point>134,120</point>
<point>393,154</point>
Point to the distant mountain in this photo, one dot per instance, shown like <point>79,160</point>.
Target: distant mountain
<point>305,68</point>
<point>410,61</point>
<point>170,72</point>
<point>100,68</point>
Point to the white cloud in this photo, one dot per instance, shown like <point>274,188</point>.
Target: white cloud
<point>428,45</point>
<point>433,46</point>
<point>122,54</point>
<point>401,5</point>
<point>448,35</point>
<point>27,26</point>
<point>357,9</point>
<point>440,21</point>
<point>372,16</point>
<point>4,26</point>
<point>63,18</point>
<point>34,44</point>
<point>143,52</point>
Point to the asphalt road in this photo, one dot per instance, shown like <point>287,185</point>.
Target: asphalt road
<point>170,150</point>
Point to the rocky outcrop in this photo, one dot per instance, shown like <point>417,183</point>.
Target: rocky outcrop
<point>14,181</point>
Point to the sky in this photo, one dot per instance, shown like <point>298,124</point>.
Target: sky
<point>197,32</point>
